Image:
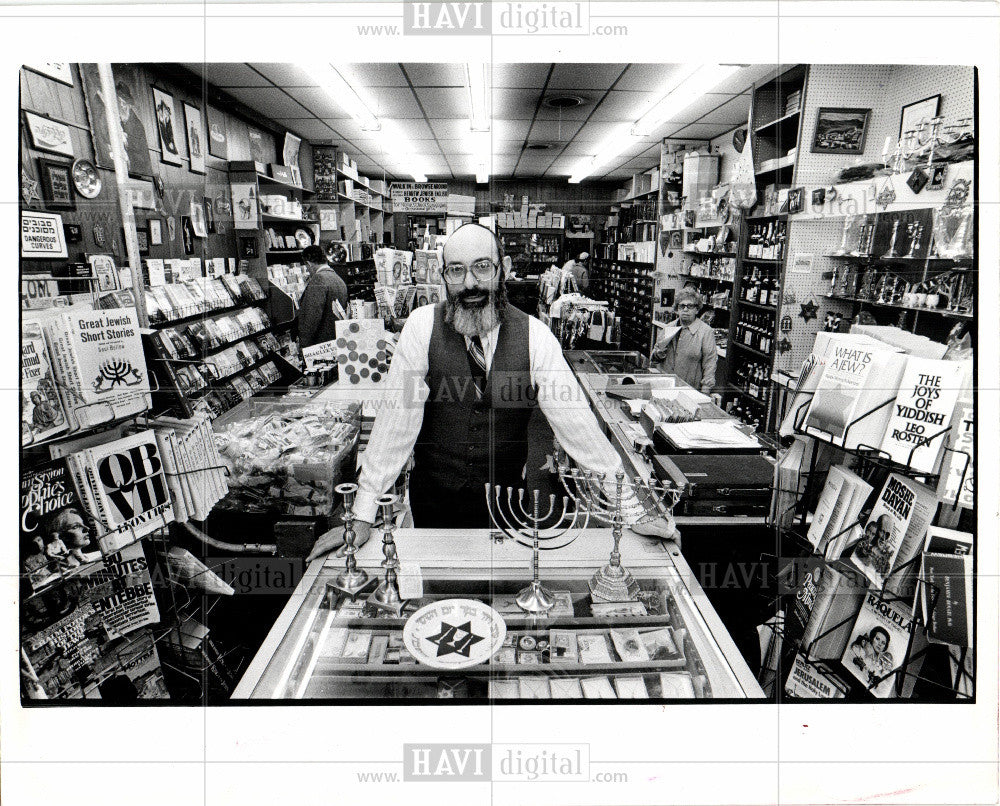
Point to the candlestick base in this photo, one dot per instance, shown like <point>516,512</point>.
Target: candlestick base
<point>614,584</point>
<point>352,583</point>
<point>535,599</point>
<point>386,597</point>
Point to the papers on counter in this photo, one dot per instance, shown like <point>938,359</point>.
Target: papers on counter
<point>707,434</point>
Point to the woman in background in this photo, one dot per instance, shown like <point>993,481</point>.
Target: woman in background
<point>691,353</point>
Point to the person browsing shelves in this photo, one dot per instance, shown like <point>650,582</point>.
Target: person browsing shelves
<point>316,316</point>
<point>467,374</point>
<point>690,354</point>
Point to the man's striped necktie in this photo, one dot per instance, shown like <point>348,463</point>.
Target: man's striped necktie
<point>477,361</point>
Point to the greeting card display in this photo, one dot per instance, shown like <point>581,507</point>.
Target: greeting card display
<point>362,350</point>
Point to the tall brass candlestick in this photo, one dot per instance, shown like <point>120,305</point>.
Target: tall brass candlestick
<point>352,579</point>
<point>386,595</point>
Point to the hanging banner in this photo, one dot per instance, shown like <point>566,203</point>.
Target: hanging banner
<point>419,197</point>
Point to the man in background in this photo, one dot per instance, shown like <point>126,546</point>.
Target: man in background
<point>578,269</point>
<point>325,286</point>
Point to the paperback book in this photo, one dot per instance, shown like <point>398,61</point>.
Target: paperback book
<point>878,644</point>
<point>957,482</point>
<point>42,414</point>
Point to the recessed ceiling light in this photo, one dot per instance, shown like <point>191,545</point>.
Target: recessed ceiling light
<point>564,101</point>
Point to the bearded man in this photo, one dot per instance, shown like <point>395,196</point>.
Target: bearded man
<point>466,376</point>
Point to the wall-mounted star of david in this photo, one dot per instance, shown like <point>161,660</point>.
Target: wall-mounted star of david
<point>807,310</point>
<point>454,639</point>
<point>784,346</point>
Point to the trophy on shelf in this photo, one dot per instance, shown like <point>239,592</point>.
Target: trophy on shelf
<point>635,501</point>
<point>524,527</point>
<point>352,580</point>
<point>386,595</point>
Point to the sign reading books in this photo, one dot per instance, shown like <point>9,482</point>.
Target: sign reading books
<point>419,197</point>
<point>42,235</point>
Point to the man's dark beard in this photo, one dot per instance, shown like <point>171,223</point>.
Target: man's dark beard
<point>476,319</point>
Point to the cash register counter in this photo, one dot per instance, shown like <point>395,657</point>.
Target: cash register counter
<point>591,370</point>
<point>689,653</point>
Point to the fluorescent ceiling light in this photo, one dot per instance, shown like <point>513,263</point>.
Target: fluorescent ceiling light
<point>675,98</point>
<point>353,99</point>
<point>477,80</point>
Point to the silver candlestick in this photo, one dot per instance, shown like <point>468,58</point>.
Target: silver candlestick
<point>386,595</point>
<point>918,233</point>
<point>892,242</point>
<point>515,521</point>
<point>352,580</point>
<point>637,501</point>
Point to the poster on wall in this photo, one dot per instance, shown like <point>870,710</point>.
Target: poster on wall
<point>127,83</point>
<point>42,235</point>
<point>59,71</point>
<point>163,103</point>
<point>325,173</point>
<point>244,205</point>
<point>97,115</point>
<point>218,145</point>
<point>49,135</point>
<point>195,138</point>
<point>290,153</point>
<point>419,197</point>
<point>256,138</point>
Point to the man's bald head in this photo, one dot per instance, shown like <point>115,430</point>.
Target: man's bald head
<point>469,243</point>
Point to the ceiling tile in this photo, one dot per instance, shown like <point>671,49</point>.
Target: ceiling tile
<point>435,75</point>
<point>285,74</point>
<point>557,131</point>
<point>307,128</point>
<point>624,106</point>
<point>449,128</point>
<point>270,101</point>
<point>318,101</point>
<point>514,104</point>
<point>510,129</point>
<point>648,77</point>
<point>457,147</point>
<point>444,102</point>
<point>731,113</point>
<point>701,131</point>
<point>584,76</point>
<point>228,75</point>
<point>376,75</point>
<point>743,79</point>
<point>394,102</point>
<point>580,113</point>
<point>599,131</point>
<point>524,76</point>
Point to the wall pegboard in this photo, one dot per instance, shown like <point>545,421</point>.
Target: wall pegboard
<point>884,89</point>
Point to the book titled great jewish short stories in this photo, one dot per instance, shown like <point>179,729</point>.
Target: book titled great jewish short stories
<point>98,359</point>
<point>130,493</point>
<point>878,644</point>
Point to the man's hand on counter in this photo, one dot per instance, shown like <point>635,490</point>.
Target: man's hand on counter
<point>662,528</point>
<point>334,539</point>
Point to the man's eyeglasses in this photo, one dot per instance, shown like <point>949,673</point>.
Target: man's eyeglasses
<point>484,269</point>
<point>687,306</point>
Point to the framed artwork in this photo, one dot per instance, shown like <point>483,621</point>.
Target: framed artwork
<point>49,135</point>
<point>840,131</point>
<point>127,87</point>
<point>209,215</point>
<point>155,232</point>
<point>197,219</point>
<point>218,145</point>
<point>244,205</point>
<point>142,237</point>
<point>97,115</point>
<point>248,246</point>
<point>163,105</point>
<point>57,185</point>
<point>796,200</point>
<point>290,152</point>
<point>911,114</point>
<point>195,138</point>
<point>187,234</point>
<point>58,71</point>
<point>256,137</point>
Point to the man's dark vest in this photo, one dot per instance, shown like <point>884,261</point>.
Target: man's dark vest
<point>465,442</point>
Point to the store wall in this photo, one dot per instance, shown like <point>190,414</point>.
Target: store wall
<point>69,105</point>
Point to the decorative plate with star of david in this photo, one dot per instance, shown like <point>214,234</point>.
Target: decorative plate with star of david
<point>454,633</point>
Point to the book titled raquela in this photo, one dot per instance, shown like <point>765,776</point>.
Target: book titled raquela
<point>98,360</point>
<point>126,488</point>
<point>878,644</point>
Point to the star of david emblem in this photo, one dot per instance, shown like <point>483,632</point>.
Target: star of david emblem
<point>784,346</point>
<point>29,188</point>
<point>886,196</point>
<point>807,310</point>
<point>451,639</point>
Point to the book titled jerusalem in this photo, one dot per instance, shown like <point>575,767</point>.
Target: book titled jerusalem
<point>130,489</point>
<point>42,414</point>
<point>98,361</point>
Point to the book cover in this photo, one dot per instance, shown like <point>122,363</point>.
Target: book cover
<point>130,487</point>
<point>42,414</point>
<point>878,644</point>
<point>957,478</point>
<point>894,530</point>
<point>838,598</point>
<point>99,364</point>
<point>804,577</point>
<point>918,427</point>
<point>946,598</point>
<point>947,541</point>
<point>858,376</point>
<point>813,680</point>
<point>826,507</point>
<point>57,535</point>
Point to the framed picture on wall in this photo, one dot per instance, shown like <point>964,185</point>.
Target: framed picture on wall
<point>209,215</point>
<point>57,184</point>
<point>58,71</point>
<point>49,135</point>
<point>256,138</point>
<point>840,131</point>
<point>97,115</point>
<point>128,84</point>
<point>195,138</point>
<point>912,114</point>
<point>155,232</point>
<point>142,237</point>
<point>218,144</point>
<point>163,105</point>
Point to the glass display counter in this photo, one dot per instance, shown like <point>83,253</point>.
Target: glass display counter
<point>669,644</point>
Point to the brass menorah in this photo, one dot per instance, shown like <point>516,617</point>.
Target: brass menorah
<point>634,501</point>
<point>523,526</point>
